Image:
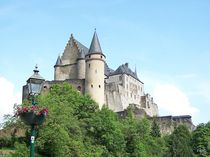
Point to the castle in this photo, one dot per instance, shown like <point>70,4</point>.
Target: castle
<point>87,70</point>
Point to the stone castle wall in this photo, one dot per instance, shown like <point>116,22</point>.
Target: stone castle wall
<point>168,123</point>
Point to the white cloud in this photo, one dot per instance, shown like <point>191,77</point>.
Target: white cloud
<point>8,97</point>
<point>172,100</point>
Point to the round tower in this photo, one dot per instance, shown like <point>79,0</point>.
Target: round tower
<point>94,73</point>
<point>81,65</point>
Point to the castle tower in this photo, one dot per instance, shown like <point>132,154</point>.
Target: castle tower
<point>57,69</point>
<point>94,76</point>
<point>81,65</point>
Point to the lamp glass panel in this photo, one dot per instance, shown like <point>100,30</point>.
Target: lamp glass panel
<point>35,88</point>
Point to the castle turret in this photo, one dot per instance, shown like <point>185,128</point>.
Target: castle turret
<point>94,76</point>
<point>57,68</point>
<point>81,65</point>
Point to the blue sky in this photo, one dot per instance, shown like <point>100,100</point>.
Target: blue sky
<point>167,41</point>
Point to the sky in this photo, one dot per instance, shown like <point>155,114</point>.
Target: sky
<point>167,41</point>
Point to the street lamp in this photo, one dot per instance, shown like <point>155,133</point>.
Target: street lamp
<point>34,84</point>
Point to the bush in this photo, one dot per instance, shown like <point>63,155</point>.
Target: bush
<point>6,142</point>
<point>20,150</point>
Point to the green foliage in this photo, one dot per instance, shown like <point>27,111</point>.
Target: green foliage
<point>63,131</point>
<point>6,142</point>
<point>20,150</point>
<point>139,141</point>
<point>179,143</point>
<point>201,140</point>
<point>155,130</point>
<point>75,127</point>
<point>104,128</point>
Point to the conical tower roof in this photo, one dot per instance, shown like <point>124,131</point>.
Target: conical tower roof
<point>95,45</point>
<point>58,62</point>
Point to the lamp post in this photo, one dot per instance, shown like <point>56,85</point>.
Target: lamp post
<point>34,84</point>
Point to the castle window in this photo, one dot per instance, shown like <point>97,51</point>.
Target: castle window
<point>148,105</point>
<point>91,85</point>
<point>96,71</point>
<point>89,56</point>
<point>101,56</point>
<point>99,86</point>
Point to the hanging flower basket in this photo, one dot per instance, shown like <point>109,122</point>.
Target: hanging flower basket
<point>30,118</point>
<point>32,115</point>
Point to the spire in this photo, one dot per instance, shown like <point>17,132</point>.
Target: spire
<point>58,62</point>
<point>95,45</point>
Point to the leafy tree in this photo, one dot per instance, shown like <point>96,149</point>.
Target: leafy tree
<point>155,130</point>
<point>75,127</point>
<point>63,133</point>
<point>179,143</point>
<point>201,140</point>
<point>139,141</point>
<point>105,129</point>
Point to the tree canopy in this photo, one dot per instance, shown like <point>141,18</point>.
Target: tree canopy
<point>75,127</point>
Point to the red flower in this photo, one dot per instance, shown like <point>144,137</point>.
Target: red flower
<point>37,110</point>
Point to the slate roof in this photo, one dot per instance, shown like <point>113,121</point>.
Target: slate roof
<point>96,48</point>
<point>82,47</point>
<point>124,69</point>
<point>58,62</point>
<point>95,45</point>
<point>107,70</point>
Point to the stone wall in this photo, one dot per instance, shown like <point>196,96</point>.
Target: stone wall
<point>63,72</point>
<point>76,83</point>
<point>117,101</point>
<point>113,97</point>
<point>168,123</point>
<point>128,89</point>
<point>148,104</point>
